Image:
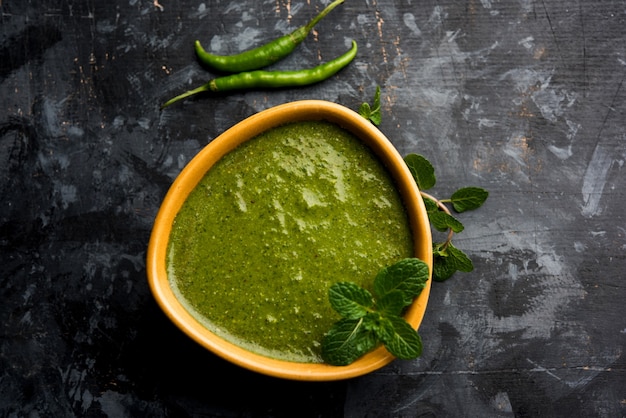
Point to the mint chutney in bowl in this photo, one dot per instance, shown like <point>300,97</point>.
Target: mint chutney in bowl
<point>269,215</point>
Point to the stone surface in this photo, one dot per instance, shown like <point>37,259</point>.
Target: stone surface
<point>524,98</point>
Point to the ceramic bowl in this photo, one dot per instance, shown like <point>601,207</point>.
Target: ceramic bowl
<point>204,160</point>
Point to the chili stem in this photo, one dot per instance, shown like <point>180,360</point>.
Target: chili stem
<point>203,88</point>
<point>321,15</point>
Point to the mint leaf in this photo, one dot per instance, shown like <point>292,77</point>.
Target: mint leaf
<point>349,300</point>
<point>408,276</point>
<point>346,341</point>
<point>468,198</point>
<point>443,221</point>
<point>372,113</point>
<point>376,118</point>
<point>443,268</point>
<point>365,110</point>
<point>461,260</point>
<point>405,343</point>
<point>422,170</point>
<point>447,259</point>
<point>377,98</point>
<point>430,205</point>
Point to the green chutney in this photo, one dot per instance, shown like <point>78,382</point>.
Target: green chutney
<point>273,224</point>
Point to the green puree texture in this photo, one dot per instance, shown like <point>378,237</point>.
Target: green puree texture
<point>273,224</point>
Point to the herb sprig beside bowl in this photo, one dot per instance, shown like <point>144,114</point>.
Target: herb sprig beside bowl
<point>447,259</point>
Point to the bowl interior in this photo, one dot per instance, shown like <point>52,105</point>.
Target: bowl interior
<point>214,151</point>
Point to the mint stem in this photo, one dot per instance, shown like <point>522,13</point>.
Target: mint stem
<point>443,207</point>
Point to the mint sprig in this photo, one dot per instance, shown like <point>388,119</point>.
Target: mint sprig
<point>373,318</point>
<point>372,113</point>
<point>447,259</point>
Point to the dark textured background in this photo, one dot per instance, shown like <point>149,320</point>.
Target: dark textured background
<point>525,98</point>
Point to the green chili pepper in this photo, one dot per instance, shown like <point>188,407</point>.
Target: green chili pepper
<point>264,55</point>
<point>272,79</point>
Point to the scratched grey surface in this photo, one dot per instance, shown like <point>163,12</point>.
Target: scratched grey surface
<point>525,98</point>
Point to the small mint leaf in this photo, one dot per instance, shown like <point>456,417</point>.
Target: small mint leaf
<point>468,198</point>
<point>447,260</point>
<point>405,343</point>
<point>376,118</point>
<point>462,261</point>
<point>346,341</point>
<point>422,170</point>
<point>375,115</point>
<point>377,99</point>
<point>365,110</point>
<point>408,276</point>
<point>443,268</point>
<point>350,300</point>
<point>430,205</point>
<point>442,221</point>
<point>372,113</point>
